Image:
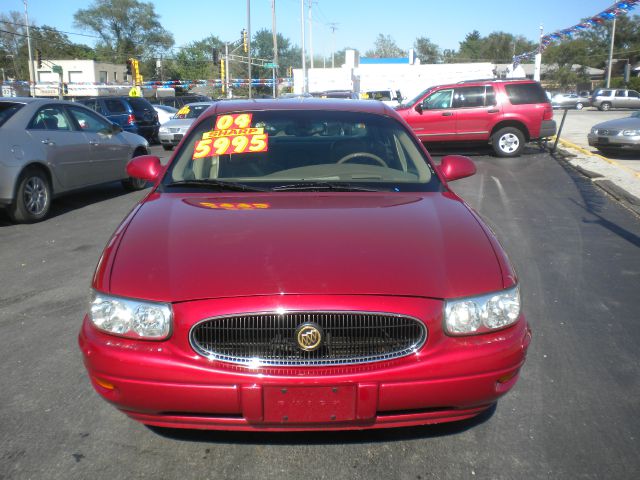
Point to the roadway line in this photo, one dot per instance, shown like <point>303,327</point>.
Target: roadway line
<point>591,154</point>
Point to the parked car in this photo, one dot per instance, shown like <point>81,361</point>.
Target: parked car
<point>49,147</point>
<point>504,113</point>
<point>570,100</point>
<point>165,113</point>
<point>616,135</point>
<point>133,114</point>
<point>608,98</point>
<point>303,264</point>
<point>172,132</point>
<point>180,101</point>
<point>387,96</point>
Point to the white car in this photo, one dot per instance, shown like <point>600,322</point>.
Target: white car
<point>172,132</point>
<point>165,113</point>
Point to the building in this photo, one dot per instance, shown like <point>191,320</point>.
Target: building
<point>82,78</point>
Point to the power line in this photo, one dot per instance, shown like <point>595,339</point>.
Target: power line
<point>51,29</point>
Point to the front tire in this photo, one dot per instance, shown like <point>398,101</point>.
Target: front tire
<point>605,106</point>
<point>579,106</point>
<point>508,142</point>
<point>33,197</point>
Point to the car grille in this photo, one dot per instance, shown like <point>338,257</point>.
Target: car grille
<point>174,129</point>
<point>271,339</point>
<point>609,132</point>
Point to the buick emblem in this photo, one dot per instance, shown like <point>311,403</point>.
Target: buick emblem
<point>309,336</point>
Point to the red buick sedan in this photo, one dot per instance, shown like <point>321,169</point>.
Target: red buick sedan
<point>302,265</point>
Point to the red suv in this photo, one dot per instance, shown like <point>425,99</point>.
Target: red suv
<point>505,113</point>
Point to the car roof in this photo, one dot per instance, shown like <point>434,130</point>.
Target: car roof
<point>301,103</point>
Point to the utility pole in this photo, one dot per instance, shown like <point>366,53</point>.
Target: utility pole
<point>275,47</point>
<point>305,85</point>
<point>32,81</point>
<point>310,35</point>
<point>226,70</point>
<point>249,41</point>
<point>538,65</point>
<point>613,37</point>
<point>333,27</point>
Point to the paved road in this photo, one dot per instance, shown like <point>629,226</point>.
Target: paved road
<point>578,124</point>
<point>574,414</point>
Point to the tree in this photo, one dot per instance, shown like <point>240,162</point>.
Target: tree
<point>470,48</point>
<point>127,28</point>
<point>194,61</point>
<point>262,47</point>
<point>385,47</point>
<point>427,51</point>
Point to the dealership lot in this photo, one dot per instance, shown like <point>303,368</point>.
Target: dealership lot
<point>573,414</point>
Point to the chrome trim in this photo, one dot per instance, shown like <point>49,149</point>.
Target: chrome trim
<point>256,362</point>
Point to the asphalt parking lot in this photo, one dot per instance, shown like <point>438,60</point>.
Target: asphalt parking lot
<point>575,412</point>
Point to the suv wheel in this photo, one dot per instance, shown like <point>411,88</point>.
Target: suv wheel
<point>508,142</point>
<point>604,106</point>
<point>33,197</point>
<point>579,106</point>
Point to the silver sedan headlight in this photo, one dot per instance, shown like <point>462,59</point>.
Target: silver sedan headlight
<point>127,317</point>
<point>163,130</point>
<point>631,133</point>
<point>481,314</point>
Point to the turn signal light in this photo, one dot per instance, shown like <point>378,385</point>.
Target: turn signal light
<point>104,383</point>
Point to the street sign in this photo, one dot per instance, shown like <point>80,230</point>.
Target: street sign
<point>57,69</point>
<point>270,65</point>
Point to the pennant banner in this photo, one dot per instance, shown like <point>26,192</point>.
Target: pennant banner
<point>618,8</point>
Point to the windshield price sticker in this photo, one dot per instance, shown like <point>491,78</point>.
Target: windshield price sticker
<point>183,112</point>
<point>232,134</point>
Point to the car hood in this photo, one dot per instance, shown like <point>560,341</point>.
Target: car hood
<point>621,123</point>
<point>179,122</point>
<point>181,247</point>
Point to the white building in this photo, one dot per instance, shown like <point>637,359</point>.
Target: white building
<point>82,78</point>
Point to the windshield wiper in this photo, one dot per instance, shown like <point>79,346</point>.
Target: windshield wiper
<point>211,182</point>
<point>317,186</point>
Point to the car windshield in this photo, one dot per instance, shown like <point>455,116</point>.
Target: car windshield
<point>191,111</point>
<point>298,150</point>
<point>7,109</point>
<point>415,99</point>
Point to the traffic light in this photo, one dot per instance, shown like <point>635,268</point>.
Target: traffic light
<point>245,41</point>
<point>222,74</point>
<point>290,71</point>
<point>39,57</point>
<point>129,67</point>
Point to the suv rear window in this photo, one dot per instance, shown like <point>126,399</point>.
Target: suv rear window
<point>525,93</point>
<point>7,109</point>
<point>139,104</point>
<point>115,106</point>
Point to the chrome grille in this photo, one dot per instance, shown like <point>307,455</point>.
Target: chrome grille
<point>608,132</point>
<point>174,129</point>
<point>269,339</point>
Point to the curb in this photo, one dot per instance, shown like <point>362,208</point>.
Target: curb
<point>627,199</point>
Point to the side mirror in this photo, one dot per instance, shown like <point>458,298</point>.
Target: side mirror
<point>418,108</point>
<point>115,128</point>
<point>454,167</point>
<point>144,167</point>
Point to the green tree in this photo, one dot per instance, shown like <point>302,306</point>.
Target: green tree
<point>385,47</point>
<point>194,61</point>
<point>470,48</point>
<point>127,28</point>
<point>262,47</point>
<point>427,51</point>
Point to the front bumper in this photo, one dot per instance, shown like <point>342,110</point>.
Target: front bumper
<point>170,138</point>
<point>168,384</point>
<point>614,141</point>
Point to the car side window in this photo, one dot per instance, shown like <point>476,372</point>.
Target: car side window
<point>490,99</point>
<point>50,118</point>
<point>87,121</point>
<point>620,93</point>
<point>438,100</point>
<point>92,104</point>
<point>633,94</point>
<point>115,106</point>
<point>468,97</point>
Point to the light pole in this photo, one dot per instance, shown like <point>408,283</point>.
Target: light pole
<point>305,85</point>
<point>275,47</point>
<point>31,72</point>
<point>249,41</point>
<point>613,37</point>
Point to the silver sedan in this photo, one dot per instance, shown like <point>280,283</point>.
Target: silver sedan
<point>171,133</point>
<point>49,147</point>
<point>617,135</point>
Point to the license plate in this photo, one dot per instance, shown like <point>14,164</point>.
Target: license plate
<point>178,136</point>
<point>603,140</point>
<point>309,404</point>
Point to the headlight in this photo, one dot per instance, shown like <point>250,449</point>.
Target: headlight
<point>594,130</point>
<point>486,313</point>
<point>131,318</point>
<point>631,133</point>
<point>163,130</point>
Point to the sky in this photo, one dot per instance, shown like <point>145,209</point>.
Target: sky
<point>357,22</point>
